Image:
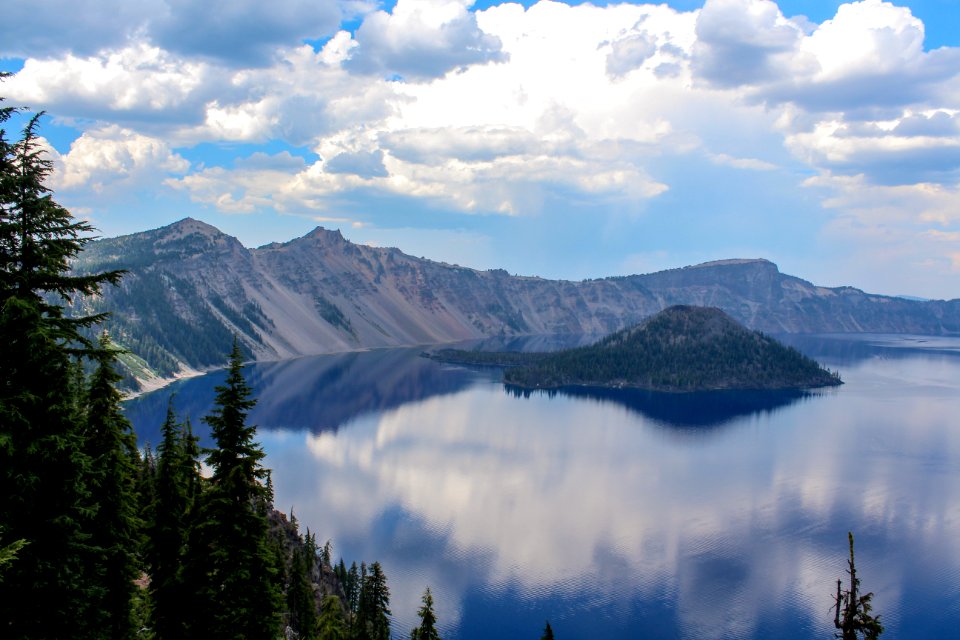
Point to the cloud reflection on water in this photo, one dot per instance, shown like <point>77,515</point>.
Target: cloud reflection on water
<point>584,509</point>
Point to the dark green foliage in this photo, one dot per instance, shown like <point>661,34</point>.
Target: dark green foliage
<point>332,314</point>
<point>235,317</point>
<point>301,602</point>
<point>351,581</point>
<point>48,476</point>
<point>8,554</point>
<point>231,567</point>
<point>146,321</point>
<point>679,349</point>
<point>331,624</point>
<point>853,620</point>
<point>115,527</point>
<point>372,618</point>
<point>176,487</point>
<point>547,632</point>
<point>428,620</point>
<point>146,493</point>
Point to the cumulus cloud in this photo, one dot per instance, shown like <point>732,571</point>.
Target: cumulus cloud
<point>32,28</point>
<point>471,144</point>
<point>297,99</point>
<point>115,158</point>
<point>493,110</point>
<point>242,31</point>
<point>630,52</point>
<point>849,63</point>
<point>136,83</point>
<point>229,31</point>
<point>743,42</point>
<point>422,39</point>
<point>365,164</point>
<point>912,148</point>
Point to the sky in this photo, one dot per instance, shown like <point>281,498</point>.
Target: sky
<point>557,140</point>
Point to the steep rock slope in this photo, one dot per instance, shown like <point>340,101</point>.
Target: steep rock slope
<point>190,288</point>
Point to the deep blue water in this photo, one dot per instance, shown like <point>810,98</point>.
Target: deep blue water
<point>633,515</point>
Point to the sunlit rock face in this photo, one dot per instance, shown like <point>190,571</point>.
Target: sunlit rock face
<point>190,289</point>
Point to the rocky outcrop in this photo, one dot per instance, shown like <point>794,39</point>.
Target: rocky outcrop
<point>190,288</point>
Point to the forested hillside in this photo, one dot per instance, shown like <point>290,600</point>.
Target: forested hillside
<point>679,349</point>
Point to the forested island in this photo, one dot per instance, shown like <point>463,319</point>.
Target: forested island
<point>682,348</point>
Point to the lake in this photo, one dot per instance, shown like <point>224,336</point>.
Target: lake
<point>640,515</point>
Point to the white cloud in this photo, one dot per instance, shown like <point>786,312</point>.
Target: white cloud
<point>891,234</point>
<point>421,39</point>
<point>41,28</point>
<point>741,163</point>
<point>136,83</point>
<point>242,31</point>
<point>865,38</point>
<point>743,42</point>
<point>114,158</point>
<point>911,148</point>
<point>506,108</point>
<point>630,52</point>
<point>234,32</point>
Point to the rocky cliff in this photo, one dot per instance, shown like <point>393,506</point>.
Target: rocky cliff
<point>190,289</point>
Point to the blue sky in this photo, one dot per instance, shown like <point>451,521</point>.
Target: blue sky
<point>560,140</point>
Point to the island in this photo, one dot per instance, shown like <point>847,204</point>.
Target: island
<point>682,348</point>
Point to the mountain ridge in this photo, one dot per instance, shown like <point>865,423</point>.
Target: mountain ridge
<point>190,288</point>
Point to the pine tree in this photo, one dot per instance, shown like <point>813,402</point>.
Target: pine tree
<point>45,472</point>
<point>230,565</point>
<point>115,531</point>
<point>428,620</point>
<point>373,616</point>
<point>8,553</point>
<point>853,619</point>
<point>547,632</point>
<point>331,625</point>
<point>175,490</point>
<point>352,588</point>
<point>301,601</point>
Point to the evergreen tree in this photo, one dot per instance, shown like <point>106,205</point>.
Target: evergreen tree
<point>8,554</point>
<point>428,620</point>
<point>373,617</point>
<point>331,625</point>
<point>115,531</point>
<point>853,619</point>
<point>45,472</point>
<point>547,632</point>
<point>230,565</point>
<point>146,495</point>
<point>175,490</point>
<point>301,601</point>
<point>352,588</point>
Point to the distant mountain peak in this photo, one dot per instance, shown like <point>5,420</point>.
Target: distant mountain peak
<point>732,262</point>
<point>326,235</point>
<point>188,226</point>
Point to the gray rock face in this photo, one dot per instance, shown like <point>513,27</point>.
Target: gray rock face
<point>190,289</point>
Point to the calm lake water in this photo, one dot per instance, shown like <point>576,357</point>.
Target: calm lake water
<point>623,515</point>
